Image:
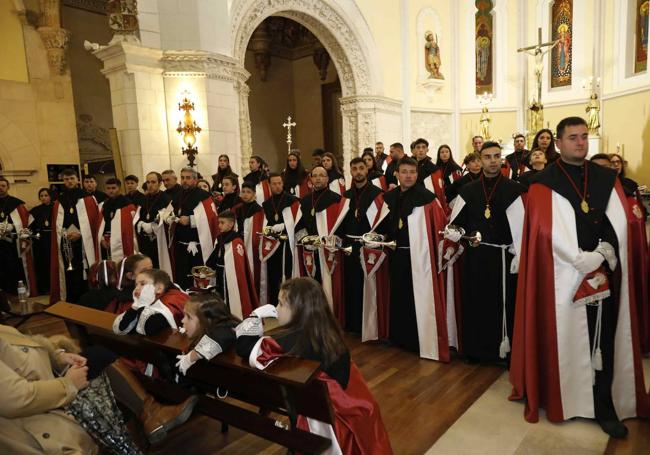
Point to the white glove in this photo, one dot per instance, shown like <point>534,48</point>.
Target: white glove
<point>184,362</point>
<point>147,297</point>
<point>170,219</point>
<point>607,250</point>
<point>514,265</point>
<point>588,261</point>
<point>250,327</point>
<point>300,234</point>
<point>277,228</point>
<point>453,235</point>
<point>208,348</point>
<point>192,248</point>
<point>8,227</point>
<point>512,250</point>
<point>265,311</point>
<point>147,228</point>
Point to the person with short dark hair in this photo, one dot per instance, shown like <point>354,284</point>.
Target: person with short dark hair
<point>309,330</point>
<point>233,278</point>
<point>477,143</point>
<point>429,175</point>
<point>537,163</point>
<point>147,222</point>
<point>230,193</point>
<point>279,256</point>
<point>575,350</point>
<point>396,153</point>
<point>601,159</point>
<point>192,217</point>
<point>316,156</point>
<point>133,193</point>
<point>42,246</point>
<point>381,159</point>
<point>514,164</point>
<point>17,260</point>
<point>416,289</point>
<point>491,205</point>
<point>75,221</point>
<point>116,235</point>
<point>90,187</point>
<point>250,221</point>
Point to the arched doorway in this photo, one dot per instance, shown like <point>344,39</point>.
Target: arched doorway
<point>341,29</point>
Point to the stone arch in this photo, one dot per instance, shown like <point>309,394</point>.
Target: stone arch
<point>341,28</point>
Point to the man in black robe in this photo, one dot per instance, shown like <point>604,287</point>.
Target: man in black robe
<point>133,194</point>
<point>356,223</point>
<point>514,163</point>
<point>114,201</point>
<point>380,156</point>
<point>273,208</point>
<point>42,225</point>
<point>148,216</point>
<point>472,163</point>
<point>426,167</point>
<point>90,188</point>
<point>396,154</point>
<point>186,246</point>
<point>11,267</point>
<point>537,159</point>
<point>492,206</point>
<point>170,181</point>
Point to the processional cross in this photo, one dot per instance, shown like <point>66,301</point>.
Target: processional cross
<point>288,125</point>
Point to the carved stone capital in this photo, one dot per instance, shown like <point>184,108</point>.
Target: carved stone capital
<point>183,63</point>
<point>56,41</point>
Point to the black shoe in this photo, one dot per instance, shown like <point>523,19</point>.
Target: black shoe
<point>614,428</point>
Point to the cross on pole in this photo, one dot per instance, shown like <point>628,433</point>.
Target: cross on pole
<point>536,51</point>
<point>288,125</point>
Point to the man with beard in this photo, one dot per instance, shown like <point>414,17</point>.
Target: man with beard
<point>396,153</point>
<point>16,258</point>
<point>382,160</point>
<point>279,256</point>
<point>192,221</point>
<point>116,233</point>
<point>75,222</point>
<point>513,165</point>
<point>361,195</point>
<point>147,222</point>
<point>90,187</point>
<point>170,181</point>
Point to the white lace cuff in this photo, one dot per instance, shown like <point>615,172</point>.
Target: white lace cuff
<point>156,308</point>
<point>208,348</point>
<point>250,327</point>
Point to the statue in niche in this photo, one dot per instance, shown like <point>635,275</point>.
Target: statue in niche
<point>593,110</point>
<point>432,60</point>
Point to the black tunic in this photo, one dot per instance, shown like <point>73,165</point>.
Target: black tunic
<point>448,169</point>
<point>451,191</point>
<point>100,196</point>
<point>527,178</point>
<point>76,284</point>
<point>426,167</point>
<point>391,169</point>
<point>228,202</point>
<point>403,321</point>
<point>355,223</point>
<point>482,269</point>
<point>111,205</point>
<point>292,178</point>
<point>136,198</point>
<point>173,191</point>
<point>592,227</point>
<point>11,267</point>
<point>217,180</point>
<point>254,177</point>
<point>184,204</point>
<point>273,208</point>
<point>379,160</point>
<point>216,262</point>
<point>515,160</point>
<point>42,225</point>
<point>152,204</point>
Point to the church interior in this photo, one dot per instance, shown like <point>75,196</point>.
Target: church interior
<point>112,88</point>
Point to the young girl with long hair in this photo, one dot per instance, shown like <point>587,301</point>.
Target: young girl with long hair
<point>310,331</point>
<point>295,177</point>
<point>336,179</point>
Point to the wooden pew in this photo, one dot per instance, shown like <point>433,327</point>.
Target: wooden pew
<point>287,386</point>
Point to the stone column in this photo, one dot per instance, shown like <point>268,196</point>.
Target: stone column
<point>134,73</point>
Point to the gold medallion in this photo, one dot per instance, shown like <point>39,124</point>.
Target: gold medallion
<point>180,211</point>
<point>401,224</point>
<point>487,212</point>
<point>47,223</point>
<point>147,217</point>
<point>356,213</point>
<point>71,210</point>
<point>313,211</point>
<point>277,218</point>
<point>584,206</point>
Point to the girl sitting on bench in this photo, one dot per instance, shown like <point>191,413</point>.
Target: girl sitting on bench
<point>310,331</point>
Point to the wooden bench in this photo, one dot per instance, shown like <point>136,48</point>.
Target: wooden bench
<point>287,386</point>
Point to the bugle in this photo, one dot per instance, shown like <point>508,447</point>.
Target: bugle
<point>474,238</point>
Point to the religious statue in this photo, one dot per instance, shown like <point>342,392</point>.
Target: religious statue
<point>593,111</point>
<point>432,60</point>
<point>484,124</point>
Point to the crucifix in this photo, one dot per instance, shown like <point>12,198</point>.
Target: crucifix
<point>288,125</point>
<point>536,109</point>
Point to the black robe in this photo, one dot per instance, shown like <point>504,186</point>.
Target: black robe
<point>403,322</point>
<point>426,167</point>
<point>216,262</point>
<point>11,266</point>
<point>136,198</point>
<point>173,191</point>
<point>100,196</point>
<point>319,201</point>
<point>591,228</point>
<point>42,246</point>
<point>451,190</point>
<point>292,178</point>
<point>391,169</point>
<point>228,202</point>
<point>448,169</point>
<point>111,205</point>
<point>379,160</point>
<point>482,270</point>
<point>184,204</point>
<point>217,180</point>
<point>75,282</point>
<point>273,208</point>
<point>245,210</point>
<point>515,160</point>
<point>152,204</point>
<point>527,178</point>
<point>355,223</point>
<point>254,177</point>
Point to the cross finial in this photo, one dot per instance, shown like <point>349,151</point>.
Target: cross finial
<point>288,125</point>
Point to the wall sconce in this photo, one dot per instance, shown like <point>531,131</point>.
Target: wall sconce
<point>188,129</point>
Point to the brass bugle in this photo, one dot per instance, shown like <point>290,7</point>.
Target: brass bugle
<point>378,239</point>
<point>267,231</point>
<point>474,238</point>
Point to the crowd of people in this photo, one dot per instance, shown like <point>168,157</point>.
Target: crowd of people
<point>537,260</point>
